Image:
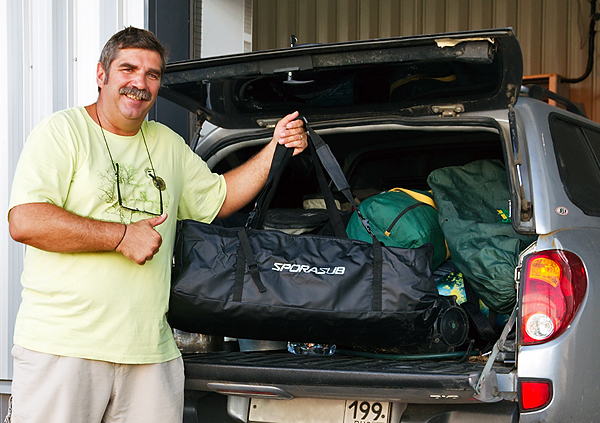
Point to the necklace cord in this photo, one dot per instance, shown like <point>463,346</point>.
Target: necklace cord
<point>159,183</point>
<point>109,153</point>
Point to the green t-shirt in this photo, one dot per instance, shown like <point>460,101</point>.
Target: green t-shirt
<point>101,305</point>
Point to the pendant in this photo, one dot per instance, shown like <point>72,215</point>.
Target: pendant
<point>159,183</point>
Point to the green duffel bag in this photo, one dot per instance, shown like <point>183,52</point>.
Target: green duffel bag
<point>401,218</point>
<point>473,202</point>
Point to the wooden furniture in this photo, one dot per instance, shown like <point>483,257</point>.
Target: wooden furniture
<point>550,81</point>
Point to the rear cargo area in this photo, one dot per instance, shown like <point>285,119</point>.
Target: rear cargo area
<point>380,157</point>
<point>375,157</point>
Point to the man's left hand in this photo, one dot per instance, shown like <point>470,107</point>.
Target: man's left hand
<point>290,132</point>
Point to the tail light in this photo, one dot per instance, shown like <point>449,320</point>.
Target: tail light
<point>534,394</point>
<point>553,289</point>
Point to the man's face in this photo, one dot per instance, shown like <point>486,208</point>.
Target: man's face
<point>130,90</point>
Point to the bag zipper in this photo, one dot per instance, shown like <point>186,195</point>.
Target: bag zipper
<point>402,213</point>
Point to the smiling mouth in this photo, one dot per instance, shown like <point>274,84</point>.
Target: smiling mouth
<point>133,97</point>
<point>135,94</point>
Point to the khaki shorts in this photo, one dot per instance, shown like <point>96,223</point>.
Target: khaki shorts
<point>55,389</point>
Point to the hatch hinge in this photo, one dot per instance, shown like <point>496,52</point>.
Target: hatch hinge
<point>201,117</point>
<point>526,207</point>
<point>450,110</point>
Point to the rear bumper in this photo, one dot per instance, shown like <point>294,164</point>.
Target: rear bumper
<point>283,375</point>
<point>203,407</point>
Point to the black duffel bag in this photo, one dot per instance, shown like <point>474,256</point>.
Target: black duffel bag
<point>266,284</point>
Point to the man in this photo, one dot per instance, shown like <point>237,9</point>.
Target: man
<point>96,196</point>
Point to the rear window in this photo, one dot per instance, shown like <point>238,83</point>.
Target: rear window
<point>577,148</point>
<point>399,84</point>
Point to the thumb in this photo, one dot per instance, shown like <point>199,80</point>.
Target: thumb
<point>291,117</point>
<point>287,119</point>
<point>155,221</point>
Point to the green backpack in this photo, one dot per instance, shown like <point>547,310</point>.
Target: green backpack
<point>401,218</point>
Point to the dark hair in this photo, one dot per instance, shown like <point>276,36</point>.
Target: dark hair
<point>131,37</point>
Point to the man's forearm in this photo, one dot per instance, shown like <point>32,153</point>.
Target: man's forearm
<point>245,181</point>
<point>51,228</point>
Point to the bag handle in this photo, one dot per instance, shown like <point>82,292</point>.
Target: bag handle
<point>279,162</point>
<point>322,156</point>
<point>281,158</point>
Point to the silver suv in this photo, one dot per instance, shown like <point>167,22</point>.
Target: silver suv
<point>393,111</point>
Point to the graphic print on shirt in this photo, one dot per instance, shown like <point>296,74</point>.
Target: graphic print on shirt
<point>137,192</point>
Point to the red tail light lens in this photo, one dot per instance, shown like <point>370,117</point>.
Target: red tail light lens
<point>553,289</point>
<point>534,394</point>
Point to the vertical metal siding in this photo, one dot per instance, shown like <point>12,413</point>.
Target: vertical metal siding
<point>552,33</point>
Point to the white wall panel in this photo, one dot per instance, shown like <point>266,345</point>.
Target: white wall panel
<point>11,128</point>
<point>222,27</point>
<point>51,49</point>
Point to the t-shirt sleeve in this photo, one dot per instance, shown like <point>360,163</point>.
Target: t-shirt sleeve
<point>45,168</point>
<point>203,191</point>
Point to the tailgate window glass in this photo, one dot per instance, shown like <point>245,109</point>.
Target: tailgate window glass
<point>577,149</point>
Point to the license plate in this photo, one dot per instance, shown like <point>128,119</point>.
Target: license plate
<point>308,410</point>
<point>367,412</point>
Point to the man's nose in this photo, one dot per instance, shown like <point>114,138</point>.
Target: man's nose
<point>138,80</point>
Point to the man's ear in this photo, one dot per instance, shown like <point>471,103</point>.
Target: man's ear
<point>100,75</point>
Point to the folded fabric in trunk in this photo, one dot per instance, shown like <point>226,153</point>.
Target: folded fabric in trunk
<point>473,209</point>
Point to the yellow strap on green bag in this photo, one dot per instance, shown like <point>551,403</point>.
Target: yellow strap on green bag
<point>417,196</point>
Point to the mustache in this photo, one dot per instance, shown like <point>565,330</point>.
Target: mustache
<point>136,92</point>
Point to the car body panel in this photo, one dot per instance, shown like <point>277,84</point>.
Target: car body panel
<point>546,184</point>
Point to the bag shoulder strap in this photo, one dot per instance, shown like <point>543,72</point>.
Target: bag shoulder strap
<point>335,217</point>
<point>336,174</point>
<point>330,163</point>
<point>423,198</point>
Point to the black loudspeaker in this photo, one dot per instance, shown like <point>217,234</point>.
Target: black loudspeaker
<point>449,332</point>
<point>451,327</point>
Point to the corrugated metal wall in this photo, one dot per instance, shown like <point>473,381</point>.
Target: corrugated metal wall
<point>553,33</point>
